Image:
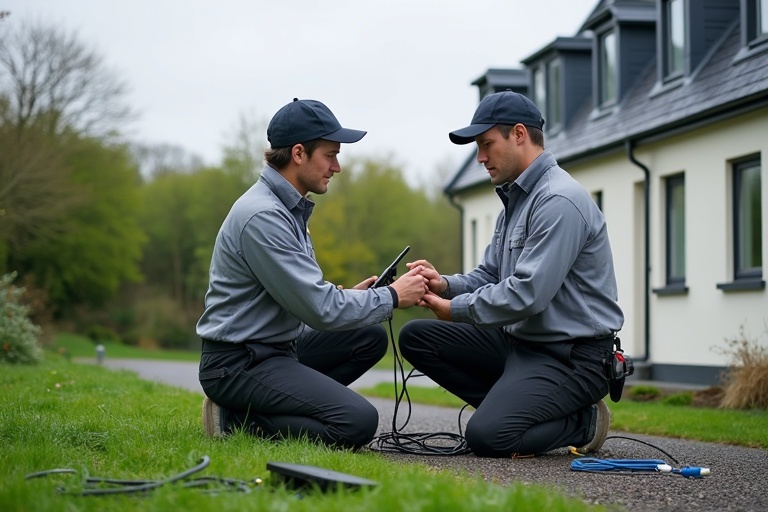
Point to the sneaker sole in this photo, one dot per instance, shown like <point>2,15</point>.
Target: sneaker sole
<point>211,418</point>
<point>601,430</point>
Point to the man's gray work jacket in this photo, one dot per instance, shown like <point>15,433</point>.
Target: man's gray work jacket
<point>265,283</point>
<point>548,273</point>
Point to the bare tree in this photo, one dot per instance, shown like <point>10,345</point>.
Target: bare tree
<point>244,149</point>
<point>158,159</point>
<point>53,90</point>
<point>51,78</point>
<point>36,191</point>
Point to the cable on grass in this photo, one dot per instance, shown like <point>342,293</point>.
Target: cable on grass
<point>94,486</point>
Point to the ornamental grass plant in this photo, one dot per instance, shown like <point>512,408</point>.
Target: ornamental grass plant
<point>745,382</point>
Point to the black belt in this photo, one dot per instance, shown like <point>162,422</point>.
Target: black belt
<point>603,340</point>
<point>221,346</point>
<point>230,346</point>
<point>607,341</point>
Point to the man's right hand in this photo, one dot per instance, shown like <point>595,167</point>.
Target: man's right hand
<point>435,281</point>
<point>410,287</point>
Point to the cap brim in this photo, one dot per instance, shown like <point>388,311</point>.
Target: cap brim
<point>468,134</point>
<point>345,135</point>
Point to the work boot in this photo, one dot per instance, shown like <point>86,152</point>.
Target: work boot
<point>599,429</point>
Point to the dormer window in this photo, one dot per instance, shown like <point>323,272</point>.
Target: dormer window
<point>608,68</point>
<point>555,95</point>
<point>674,38</point>
<point>548,93</point>
<point>567,60</point>
<point>754,31</point>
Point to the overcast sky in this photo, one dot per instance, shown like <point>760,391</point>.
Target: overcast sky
<point>400,69</point>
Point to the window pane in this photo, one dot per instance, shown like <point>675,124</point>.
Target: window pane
<point>553,92</point>
<point>598,198</point>
<point>539,92</point>
<point>676,229</point>
<point>675,36</point>
<point>762,17</point>
<point>749,219</point>
<point>608,68</point>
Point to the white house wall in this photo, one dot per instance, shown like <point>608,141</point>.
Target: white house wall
<point>622,203</point>
<point>692,328</point>
<point>481,206</point>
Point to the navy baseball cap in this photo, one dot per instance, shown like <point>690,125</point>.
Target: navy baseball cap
<point>504,107</point>
<point>306,120</point>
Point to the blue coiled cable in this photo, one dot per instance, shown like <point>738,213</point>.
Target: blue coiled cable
<point>631,466</point>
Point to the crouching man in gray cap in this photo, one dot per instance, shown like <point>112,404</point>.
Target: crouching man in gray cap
<point>524,336</point>
<point>279,343</point>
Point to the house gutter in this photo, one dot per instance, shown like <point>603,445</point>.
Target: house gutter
<point>629,146</point>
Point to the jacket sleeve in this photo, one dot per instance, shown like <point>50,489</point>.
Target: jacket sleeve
<point>274,253</point>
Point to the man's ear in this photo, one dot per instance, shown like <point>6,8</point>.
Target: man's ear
<point>520,131</point>
<point>298,153</point>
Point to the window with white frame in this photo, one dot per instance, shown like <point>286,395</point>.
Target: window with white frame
<point>762,17</point>
<point>674,38</point>
<point>747,216</point>
<point>675,229</point>
<point>608,68</point>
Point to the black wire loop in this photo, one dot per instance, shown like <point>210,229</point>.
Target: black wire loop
<point>419,443</point>
<point>94,486</point>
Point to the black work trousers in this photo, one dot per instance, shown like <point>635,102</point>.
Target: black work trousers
<point>299,388</point>
<point>529,397</point>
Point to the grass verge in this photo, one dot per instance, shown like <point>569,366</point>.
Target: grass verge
<point>743,428</point>
<point>105,423</point>
<point>72,345</point>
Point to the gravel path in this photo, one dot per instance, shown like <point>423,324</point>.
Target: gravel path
<point>737,483</point>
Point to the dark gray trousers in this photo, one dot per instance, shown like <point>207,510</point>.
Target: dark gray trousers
<point>529,397</point>
<point>300,388</point>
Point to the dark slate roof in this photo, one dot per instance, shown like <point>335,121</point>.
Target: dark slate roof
<point>621,10</point>
<point>562,44</point>
<point>497,77</point>
<point>726,83</point>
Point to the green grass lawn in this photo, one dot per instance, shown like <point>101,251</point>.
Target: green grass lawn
<point>103,423</point>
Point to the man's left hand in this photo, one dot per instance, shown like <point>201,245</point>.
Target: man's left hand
<point>439,306</point>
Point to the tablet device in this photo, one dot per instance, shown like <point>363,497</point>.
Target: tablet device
<point>388,275</point>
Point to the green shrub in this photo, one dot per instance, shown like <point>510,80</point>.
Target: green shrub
<point>643,393</point>
<point>682,398</point>
<point>162,322</point>
<point>100,334</point>
<point>18,335</point>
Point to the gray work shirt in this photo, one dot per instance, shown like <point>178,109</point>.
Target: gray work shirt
<point>265,283</point>
<point>548,273</point>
